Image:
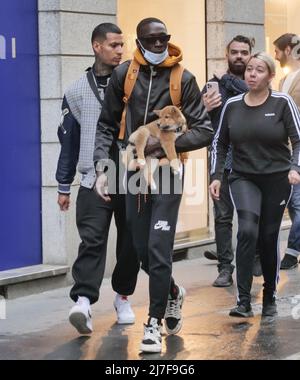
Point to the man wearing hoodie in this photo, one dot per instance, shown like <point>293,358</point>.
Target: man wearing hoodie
<point>153,220</point>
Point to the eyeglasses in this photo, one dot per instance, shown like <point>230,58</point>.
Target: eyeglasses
<point>151,40</point>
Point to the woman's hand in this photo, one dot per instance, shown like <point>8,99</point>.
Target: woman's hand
<point>214,189</point>
<point>294,177</point>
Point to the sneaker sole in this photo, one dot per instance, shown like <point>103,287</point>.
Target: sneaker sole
<point>179,326</point>
<point>292,267</point>
<point>151,349</point>
<point>78,320</point>
<point>269,315</point>
<point>241,315</point>
<point>209,256</point>
<point>126,321</point>
<point>222,286</point>
<point>174,331</point>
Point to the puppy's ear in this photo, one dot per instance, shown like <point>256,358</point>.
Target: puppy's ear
<point>157,112</point>
<point>174,110</point>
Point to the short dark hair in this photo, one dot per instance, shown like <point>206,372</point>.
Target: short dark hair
<point>285,40</point>
<point>100,32</point>
<point>243,39</point>
<point>147,21</point>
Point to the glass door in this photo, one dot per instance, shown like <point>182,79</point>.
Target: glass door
<point>185,21</point>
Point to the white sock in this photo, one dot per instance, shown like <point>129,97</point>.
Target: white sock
<point>85,301</point>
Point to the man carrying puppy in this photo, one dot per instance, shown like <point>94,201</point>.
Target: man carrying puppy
<point>153,220</point>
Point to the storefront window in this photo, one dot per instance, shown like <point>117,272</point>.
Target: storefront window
<point>281,17</point>
<point>186,24</point>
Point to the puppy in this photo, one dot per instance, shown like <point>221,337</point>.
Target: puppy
<point>170,125</point>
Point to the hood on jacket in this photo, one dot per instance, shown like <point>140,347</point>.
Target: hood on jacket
<point>175,56</point>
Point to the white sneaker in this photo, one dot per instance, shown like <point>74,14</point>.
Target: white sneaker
<point>173,317</point>
<point>80,316</point>
<point>152,337</point>
<point>125,315</point>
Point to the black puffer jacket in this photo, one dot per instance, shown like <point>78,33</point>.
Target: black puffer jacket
<point>152,83</point>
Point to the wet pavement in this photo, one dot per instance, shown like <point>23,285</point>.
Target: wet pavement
<point>36,327</point>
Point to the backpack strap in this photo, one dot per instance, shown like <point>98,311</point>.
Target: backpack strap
<point>129,84</point>
<point>175,93</point>
<point>175,84</point>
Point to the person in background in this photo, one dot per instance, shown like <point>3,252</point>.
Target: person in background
<point>287,53</point>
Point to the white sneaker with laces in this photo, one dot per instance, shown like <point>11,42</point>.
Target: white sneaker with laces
<point>151,342</point>
<point>125,315</point>
<point>173,317</point>
<point>80,316</point>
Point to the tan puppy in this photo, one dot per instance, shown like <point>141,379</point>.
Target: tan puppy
<point>170,124</point>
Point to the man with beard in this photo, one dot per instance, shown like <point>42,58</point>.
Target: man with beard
<point>231,83</point>
<point>287,53</point>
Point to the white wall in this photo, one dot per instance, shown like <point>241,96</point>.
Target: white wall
<point>65,28</point>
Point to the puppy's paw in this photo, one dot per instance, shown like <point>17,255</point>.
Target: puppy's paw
<point>141,163</point>
<point>153,186</point>
<point>175,165</point>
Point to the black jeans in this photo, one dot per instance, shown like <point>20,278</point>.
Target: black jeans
<point>152,219</point>
<point>260,201</point>
<point>223,213</point>
<point>93,217</point>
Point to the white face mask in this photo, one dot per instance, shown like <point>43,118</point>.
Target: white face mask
<point>154,58</point>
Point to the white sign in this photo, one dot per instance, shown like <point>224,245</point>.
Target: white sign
<point>3,48</point>
<point>2,308</point>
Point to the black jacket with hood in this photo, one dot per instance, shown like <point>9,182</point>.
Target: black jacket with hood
<point>151,92</point>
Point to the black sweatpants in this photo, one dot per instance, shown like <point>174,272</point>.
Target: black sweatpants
<point>152,220</point>
<point>93,217</point>
<point>260,201</point>
<point>223,212</point>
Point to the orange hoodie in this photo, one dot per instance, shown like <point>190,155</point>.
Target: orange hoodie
<point>175,56</point>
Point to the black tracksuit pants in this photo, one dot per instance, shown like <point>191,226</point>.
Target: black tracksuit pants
<point>93,217</point>
<point>260,201</point>
<point>223,213</point>
<point>152,219</point>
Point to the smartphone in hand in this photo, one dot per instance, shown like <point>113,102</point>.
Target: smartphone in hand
<point>212,87</point>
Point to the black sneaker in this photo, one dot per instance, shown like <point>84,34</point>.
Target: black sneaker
<point>223,280</point>
<point>173,318</point>
<point>269,309</point>
<point>289,262</point>
<point>257,271</point>
<point>269,304</point>
<point>211,255</point>
<point>241,311</point>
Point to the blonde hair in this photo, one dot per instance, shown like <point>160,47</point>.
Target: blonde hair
<point>269,61</point>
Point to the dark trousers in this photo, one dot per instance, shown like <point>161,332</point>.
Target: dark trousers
<point>152,219</point>
<point>223,213</point>
<point>93,217</point>
<point>260,201</point>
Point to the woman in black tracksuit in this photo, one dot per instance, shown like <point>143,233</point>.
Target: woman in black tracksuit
<point>259,125</point>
